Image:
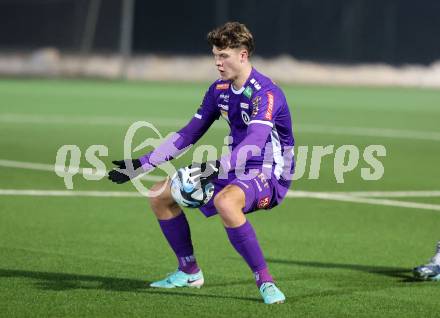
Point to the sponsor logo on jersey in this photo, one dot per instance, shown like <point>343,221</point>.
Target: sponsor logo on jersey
<point>245,117</point>
<point>244,105</point>
<point>263,203</point>
<point>248,92</point>
<point>269,110</point>
<point>223,106</point>
<point>225,97</point>
<point>255,104</point>
<point>222,86</point>
<point>256,84</point>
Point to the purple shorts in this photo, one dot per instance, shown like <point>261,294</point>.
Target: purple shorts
<point>260,193</point>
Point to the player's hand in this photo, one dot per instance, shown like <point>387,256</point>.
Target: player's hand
<point>205,170</point>
<point>122,173</point>
<point>197,175</point>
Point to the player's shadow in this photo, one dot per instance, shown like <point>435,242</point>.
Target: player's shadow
<point>398,272</point>
<point>66,281</point>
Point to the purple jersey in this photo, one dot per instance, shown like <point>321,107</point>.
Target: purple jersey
<point>258,116</point>
<point>258,110</point>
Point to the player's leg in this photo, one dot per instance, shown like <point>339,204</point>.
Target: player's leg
<point>175,228</point>
<point>431,270</point>
<point>230,203</point>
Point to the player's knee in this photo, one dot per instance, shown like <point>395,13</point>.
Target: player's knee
<point>229,200</point>
<point>220,201</point>
<point>161,196</point>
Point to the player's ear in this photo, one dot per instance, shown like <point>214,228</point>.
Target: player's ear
<point>244,55</point>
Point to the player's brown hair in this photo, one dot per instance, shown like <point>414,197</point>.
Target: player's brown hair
<point>232,35</point>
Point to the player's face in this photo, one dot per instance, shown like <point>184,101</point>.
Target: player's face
<point>229,62</point>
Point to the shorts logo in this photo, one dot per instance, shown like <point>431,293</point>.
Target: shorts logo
<point>222,86</point>
<point>269,110</point>
<point>263,180</point>
<point>244,105</point>
<point>263,203</point>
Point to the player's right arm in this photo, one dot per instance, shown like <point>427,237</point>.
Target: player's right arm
<point>173,146</point>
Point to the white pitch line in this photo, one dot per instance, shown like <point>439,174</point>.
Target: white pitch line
<point>290,194</point>
<point>70,193</point>
<point>357,197</point>
<point>351,198</point>
<point>87,120</point>
<point>391,194</point>
<point>26,165</point>
<point>51,168</point>
<point>178,123</point>
<point>371,132</point>
<point>384,194</point>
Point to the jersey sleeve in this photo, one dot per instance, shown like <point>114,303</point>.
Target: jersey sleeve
<point>208,110</point>
<point>256,138</point>
<point>185,137</point>
<point>264,107</point>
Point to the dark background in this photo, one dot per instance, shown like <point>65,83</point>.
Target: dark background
<point>342,31</point>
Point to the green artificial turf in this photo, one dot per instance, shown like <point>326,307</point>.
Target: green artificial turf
<point>94,256</point>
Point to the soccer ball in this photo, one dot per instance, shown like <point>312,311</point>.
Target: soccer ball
<point>189,192</point>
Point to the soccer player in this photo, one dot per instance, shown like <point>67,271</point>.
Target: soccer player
<point>261,130</point>
<point>431,270</point>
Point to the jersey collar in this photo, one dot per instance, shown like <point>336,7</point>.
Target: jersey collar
<point>241,90</point>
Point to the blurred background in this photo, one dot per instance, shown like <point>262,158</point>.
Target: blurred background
<point>305,40</point>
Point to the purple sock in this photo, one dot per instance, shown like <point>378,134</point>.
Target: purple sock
<point>178,235</point>
<point>245,242</point>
